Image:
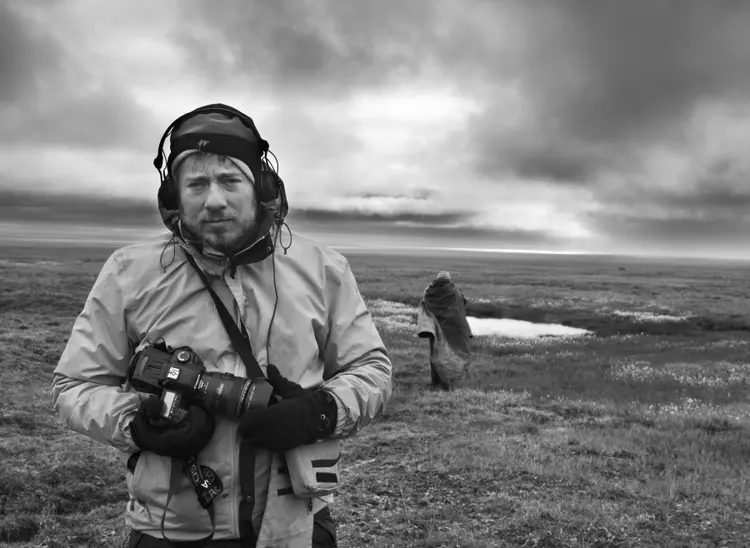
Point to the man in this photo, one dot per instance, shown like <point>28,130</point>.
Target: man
<point>441,318</point>
<point>304,320</point>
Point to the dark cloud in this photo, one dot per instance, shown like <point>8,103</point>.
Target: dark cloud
<point>491,237</point>
<point>601,79</point>
<point>65,209</point>
<point>707,201</point>
<point>447,228</point>
<point>672,235</point>
<point>611,70</point>
<point>330,215</point>
<point>28,53</point>
<point>81,210</point>
<point>597,69</point>
<point>712,217</point>
<point>46,97</point>
<point>107,118</point>
<point>300,48</point>
<point>717,190</point>
<point>604,79</point>
<point>527,155</point>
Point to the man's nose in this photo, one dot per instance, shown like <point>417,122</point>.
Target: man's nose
<point>215,198</point>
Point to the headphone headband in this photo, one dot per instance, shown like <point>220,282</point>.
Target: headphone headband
<point>218,108</point>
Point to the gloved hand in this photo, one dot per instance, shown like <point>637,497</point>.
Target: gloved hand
<point>183,439</point>
<point>302,417</point>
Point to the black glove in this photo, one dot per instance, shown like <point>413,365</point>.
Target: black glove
<point>183,439</point>
<point>302,417</point>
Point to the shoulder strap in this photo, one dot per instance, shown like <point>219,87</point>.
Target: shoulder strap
<point>241,343</point>
<point>240,340</point>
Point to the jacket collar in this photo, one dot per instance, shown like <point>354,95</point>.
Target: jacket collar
<point>215,261</point>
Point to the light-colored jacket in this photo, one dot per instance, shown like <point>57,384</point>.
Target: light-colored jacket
<point>322,334</point>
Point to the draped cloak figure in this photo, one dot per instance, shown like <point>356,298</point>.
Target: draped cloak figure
<point>442,320</point>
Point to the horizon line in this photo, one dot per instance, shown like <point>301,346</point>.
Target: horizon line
<point>122,239</point>
<point>547,252</point>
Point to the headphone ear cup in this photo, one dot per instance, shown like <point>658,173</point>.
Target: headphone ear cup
<point>265,188</point>
<point>271,188</point>
<point>168,194</point>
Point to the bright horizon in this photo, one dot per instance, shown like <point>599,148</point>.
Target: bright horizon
<point>36,233</point>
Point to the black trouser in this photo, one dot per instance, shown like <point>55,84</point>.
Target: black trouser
<point>324,536</point>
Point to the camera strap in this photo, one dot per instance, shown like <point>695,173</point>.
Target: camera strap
<point>205,482</point>
<point>207,486</point>
<point>241,343</point>
<point>240,339</point>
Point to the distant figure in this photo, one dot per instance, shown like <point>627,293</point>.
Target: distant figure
<point>442,319</point>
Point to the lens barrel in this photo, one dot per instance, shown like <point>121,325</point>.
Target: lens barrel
<point>231,396</point>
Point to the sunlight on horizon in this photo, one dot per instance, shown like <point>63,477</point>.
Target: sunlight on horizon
<point>346,241</point>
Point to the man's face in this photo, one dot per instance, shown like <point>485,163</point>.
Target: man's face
<point>217,202</point>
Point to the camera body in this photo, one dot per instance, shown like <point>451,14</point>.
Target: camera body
<point>180,378</point>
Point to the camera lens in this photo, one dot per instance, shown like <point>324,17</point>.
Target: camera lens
<point>223,393</point>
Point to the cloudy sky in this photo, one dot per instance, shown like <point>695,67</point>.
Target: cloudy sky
<point>596,125</point>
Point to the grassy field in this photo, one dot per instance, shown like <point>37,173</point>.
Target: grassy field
<point>638,435</point>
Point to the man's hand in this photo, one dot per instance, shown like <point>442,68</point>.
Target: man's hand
<point>302,417</point>
<point>184,439</point>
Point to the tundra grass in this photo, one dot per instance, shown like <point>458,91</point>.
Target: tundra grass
<point>636,435</point>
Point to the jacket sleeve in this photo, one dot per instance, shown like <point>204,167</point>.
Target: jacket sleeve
<point>86,386</point>
<point>357,367</point>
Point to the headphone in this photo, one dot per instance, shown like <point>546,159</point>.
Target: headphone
<point>269,186</point>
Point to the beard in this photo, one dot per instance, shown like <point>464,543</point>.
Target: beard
<point>231,237</point>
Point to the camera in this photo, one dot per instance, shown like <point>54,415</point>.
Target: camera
<point>179,377</point>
